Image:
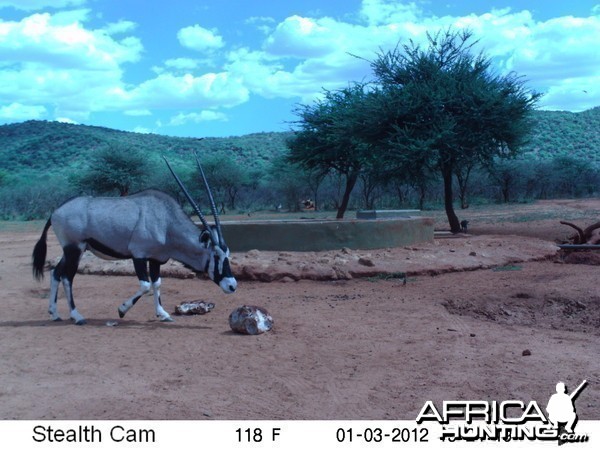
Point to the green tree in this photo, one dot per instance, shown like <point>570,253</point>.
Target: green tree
<point>573,177</point>
<point>331,136</point>
<point>3,177</point>
<point>450,111</point>
<point>226,177</point>
<point>114,168</point>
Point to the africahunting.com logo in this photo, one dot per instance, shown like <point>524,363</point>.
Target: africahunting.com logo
<point>510,420</point>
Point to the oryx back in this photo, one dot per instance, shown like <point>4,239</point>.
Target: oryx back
<point>121,227</point>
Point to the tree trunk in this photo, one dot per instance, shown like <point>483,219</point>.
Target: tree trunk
<point>350,182</point>
<point>463,183</point>
<point>422,189</point>
<point>448,200</point>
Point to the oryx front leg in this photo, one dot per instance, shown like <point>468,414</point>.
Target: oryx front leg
<point>156,281</point>
<point>160,312</point>
<point>141,270</point>
<point>128,304</point>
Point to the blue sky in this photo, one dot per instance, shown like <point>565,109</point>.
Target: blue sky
<point>231,67</point>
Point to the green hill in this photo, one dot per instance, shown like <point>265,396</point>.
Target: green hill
<point>40,163</point>
<point>35,146</point>
<point>40,146</point>
<point>563,133</point>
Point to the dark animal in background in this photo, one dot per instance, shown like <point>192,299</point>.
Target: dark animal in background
<point>464,225</point>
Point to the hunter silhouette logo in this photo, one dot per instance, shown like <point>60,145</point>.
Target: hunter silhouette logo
<point>561,410</point>
<point>481,420</point>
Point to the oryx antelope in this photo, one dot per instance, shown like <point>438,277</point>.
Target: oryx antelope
<point>149,227</point>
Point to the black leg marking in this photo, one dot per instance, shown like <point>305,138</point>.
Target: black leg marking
<point>71,261</point>
<point>72,253</point>
<point>141,268</point>
<point>58,271</point>
<point>154,270</point>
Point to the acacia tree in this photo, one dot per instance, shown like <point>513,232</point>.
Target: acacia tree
<point>228,178</point>
<point>116,167</point>
<point>331,136</point>
<point>450,111</point>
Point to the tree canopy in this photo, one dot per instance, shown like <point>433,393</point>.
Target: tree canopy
<point>435,109</point>
<point>331,136</point>
<point>114,168</point>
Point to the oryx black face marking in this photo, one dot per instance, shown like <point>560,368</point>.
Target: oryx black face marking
<point>224,273</point>
<point>150,228</point>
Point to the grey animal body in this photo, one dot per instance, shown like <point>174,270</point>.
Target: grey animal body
<point>149,227</point>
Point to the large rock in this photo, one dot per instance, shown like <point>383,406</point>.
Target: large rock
<point>248,319</point>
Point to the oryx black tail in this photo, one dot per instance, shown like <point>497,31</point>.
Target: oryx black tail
<point>38,259</point>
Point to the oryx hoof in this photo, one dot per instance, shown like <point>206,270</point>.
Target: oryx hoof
<point>165,319</point>
<point>56,319</point>
<point>121,313</point>
<point>81,322</point>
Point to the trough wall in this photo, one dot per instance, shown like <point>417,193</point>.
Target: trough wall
<point>320,235</point>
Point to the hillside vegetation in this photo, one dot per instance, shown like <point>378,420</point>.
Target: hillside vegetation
<point>42,164</point>
<point>563,133</point>
<point>40,145</point>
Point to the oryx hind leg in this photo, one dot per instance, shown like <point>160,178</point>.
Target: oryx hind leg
<point>72,253</point>
<point>55,277</point>
<point>156,282</point>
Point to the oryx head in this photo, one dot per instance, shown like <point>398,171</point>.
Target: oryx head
<point>211,238</point>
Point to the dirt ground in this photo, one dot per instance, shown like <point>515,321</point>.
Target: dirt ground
<point>492,315</point>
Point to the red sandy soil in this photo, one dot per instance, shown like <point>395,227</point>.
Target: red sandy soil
<point>493,315</point>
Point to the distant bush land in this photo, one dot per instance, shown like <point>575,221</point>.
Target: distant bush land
<point>44,163</point>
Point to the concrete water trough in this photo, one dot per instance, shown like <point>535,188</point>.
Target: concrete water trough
<point>326,234</point>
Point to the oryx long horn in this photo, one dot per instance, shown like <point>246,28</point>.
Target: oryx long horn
<point>580,234</point>
<point>189,197</point>
<point>587,233</point>
<point>213,207</point>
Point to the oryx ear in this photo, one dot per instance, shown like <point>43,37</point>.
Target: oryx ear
<point>204,237</point>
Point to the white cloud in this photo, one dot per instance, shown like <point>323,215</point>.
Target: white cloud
<point>66,120</point>
<point>142,130</point>
<point>50,60</point>
<point>55,65</point>
<point>34,5</point>
<point>385,12</point>
<point>17,112</point>
<point>37,39</point>
<point>302,54</point>
<point>120,27</point>
<point>138,112</point>
<point>559,57</point>
<point>200,39</point>
<point>187,91</point>
<point>193,117</point>
<point>182,63</point>
<point>263,24</point>
<point>576,93</point>
<point>303,37</point>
